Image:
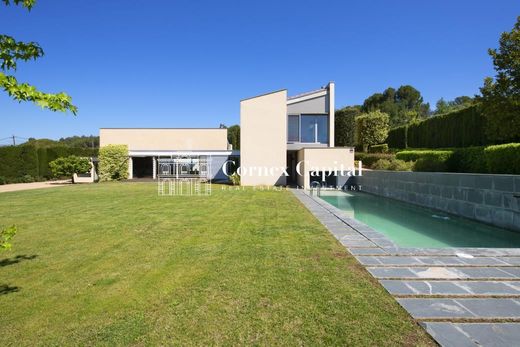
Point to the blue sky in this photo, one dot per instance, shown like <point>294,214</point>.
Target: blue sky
<point>188,63</point>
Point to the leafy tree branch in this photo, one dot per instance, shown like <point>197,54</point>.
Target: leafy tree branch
<point>6,235</point>
<point>12,50</point>
<point>25,3</point>
<point>26,92</point>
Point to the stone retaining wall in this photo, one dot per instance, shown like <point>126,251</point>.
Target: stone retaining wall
<point>493,199</point>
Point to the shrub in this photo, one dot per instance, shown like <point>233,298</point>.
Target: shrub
<point>368,159</point>
<point>68,166</point>
<point>27,179</point>
<point>398,137</point>
<point>3,180</point>
<point>504,159</point>
<point>427,160</point>
<point>393,165</point>
<point>113,162</point>
<point>235,179</point>
<point>378,148</point>
<point>371,129</point>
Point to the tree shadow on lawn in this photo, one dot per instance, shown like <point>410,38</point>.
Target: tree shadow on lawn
<point>7,289</point>
<point>16,260</point>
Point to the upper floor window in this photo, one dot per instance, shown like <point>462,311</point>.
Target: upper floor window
<point>308,128</point>
<point>293,128</point>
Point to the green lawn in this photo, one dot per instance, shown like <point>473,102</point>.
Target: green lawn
<point>114,264</point>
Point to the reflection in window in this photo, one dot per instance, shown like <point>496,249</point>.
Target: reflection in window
<point>293,128</point>
<point>314,128</point>
<point>307,128</point>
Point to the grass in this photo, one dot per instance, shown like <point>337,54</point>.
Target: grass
<point>114,264</point>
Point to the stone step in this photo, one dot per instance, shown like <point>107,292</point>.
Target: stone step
<point>437,260</point>
<point>435,272</point>
<point>467,308</point>
<point>474,334</point>
<point>492,288</point>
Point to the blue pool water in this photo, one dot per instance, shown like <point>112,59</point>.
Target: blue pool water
<point>413,226</point>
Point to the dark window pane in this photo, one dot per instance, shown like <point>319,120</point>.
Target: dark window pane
<point>293,129</point>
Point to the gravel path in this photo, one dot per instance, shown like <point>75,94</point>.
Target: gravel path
<point>35,185</point>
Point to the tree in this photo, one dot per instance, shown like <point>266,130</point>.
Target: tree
<point>403,105</point>
<point>12,51</point>
<point>345,125</point>
<point>233,136</point>
<point>442,106</point>
<point>501,96</point>
<point>371,129</point>
<point>68,166</point>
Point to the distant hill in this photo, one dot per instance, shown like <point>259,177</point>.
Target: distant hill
<point>73,141</point>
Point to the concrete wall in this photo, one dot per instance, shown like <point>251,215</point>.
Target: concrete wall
<point>263,137</point>
<point>493,199</point>
<point>165,139</point>
<point>321,158</point>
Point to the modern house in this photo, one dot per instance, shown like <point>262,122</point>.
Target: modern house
<point>296,133</point>
<point>150,150</point>
<point>284,140</point>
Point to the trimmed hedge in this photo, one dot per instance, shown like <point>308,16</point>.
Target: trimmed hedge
<point>498,159</point>
<point>503,158</point>
<point>398,137</point>
<point>462,128</point>
<point>20,161</point>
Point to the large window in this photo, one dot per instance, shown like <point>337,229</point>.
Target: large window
<point>308,128</point>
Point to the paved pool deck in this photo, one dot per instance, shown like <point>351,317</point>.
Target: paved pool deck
<point>461,296</point>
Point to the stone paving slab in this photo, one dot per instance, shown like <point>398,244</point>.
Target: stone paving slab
<point>369,251</point>
<point>353,238</point>
<point>436,260</point>
<point>440,308</point>
<point>495,288</point>
<point>357,244</point>
<point>474,334</point>
<point>491,273</point>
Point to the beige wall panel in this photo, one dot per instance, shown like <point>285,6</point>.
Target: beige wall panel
<point>166,139</point>
<point>323,158</point>
<point>263,137</point>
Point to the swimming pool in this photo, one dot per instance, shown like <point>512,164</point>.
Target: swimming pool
<point>414,226</point>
